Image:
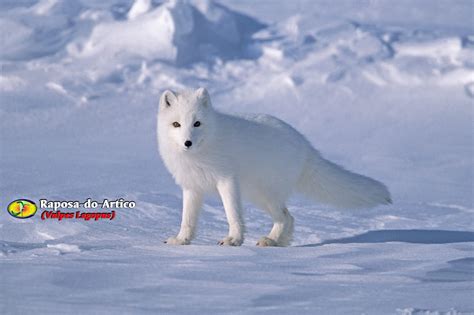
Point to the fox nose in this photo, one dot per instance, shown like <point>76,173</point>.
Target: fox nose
<point>188,143</point>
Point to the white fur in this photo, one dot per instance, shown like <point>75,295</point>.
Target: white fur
<point>258,158</point>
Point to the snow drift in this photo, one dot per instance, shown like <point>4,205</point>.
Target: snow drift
<point>180,32</point>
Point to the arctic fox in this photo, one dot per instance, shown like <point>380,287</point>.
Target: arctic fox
<point>258,158</point>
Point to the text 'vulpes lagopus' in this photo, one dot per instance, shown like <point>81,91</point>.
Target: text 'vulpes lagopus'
<point>258,158</point>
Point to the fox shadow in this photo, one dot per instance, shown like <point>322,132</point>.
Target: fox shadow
<point>405,236</point>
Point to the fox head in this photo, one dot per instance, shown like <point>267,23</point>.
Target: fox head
<point>185,119</point>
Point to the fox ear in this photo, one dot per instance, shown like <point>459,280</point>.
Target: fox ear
<point>168,98</point>
<point>203,95</point>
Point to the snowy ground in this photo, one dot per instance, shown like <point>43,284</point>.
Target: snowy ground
<point>385,88</point>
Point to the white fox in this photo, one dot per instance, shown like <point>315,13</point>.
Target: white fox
<point>258,158</point>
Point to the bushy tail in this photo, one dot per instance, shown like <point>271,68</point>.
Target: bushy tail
<point>329,183</point>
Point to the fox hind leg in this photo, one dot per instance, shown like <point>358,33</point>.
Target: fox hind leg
<point>282,230</point>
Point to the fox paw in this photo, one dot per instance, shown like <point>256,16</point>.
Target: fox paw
<point>265,241</point>
<point>231,241</point>
<point>177,241</point>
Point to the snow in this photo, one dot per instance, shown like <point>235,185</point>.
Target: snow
<point>384,88</point>
<point>176,32</point>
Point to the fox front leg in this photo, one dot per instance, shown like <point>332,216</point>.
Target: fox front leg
<point>192,202</point>
<point>230,194</point>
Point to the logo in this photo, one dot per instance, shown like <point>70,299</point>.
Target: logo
<point>22,208</point>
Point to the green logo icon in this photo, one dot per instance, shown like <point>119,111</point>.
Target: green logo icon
<point>22,208</point>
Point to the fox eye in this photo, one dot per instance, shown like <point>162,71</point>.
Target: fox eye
<point>176,124</point>
<point>197,124</point>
